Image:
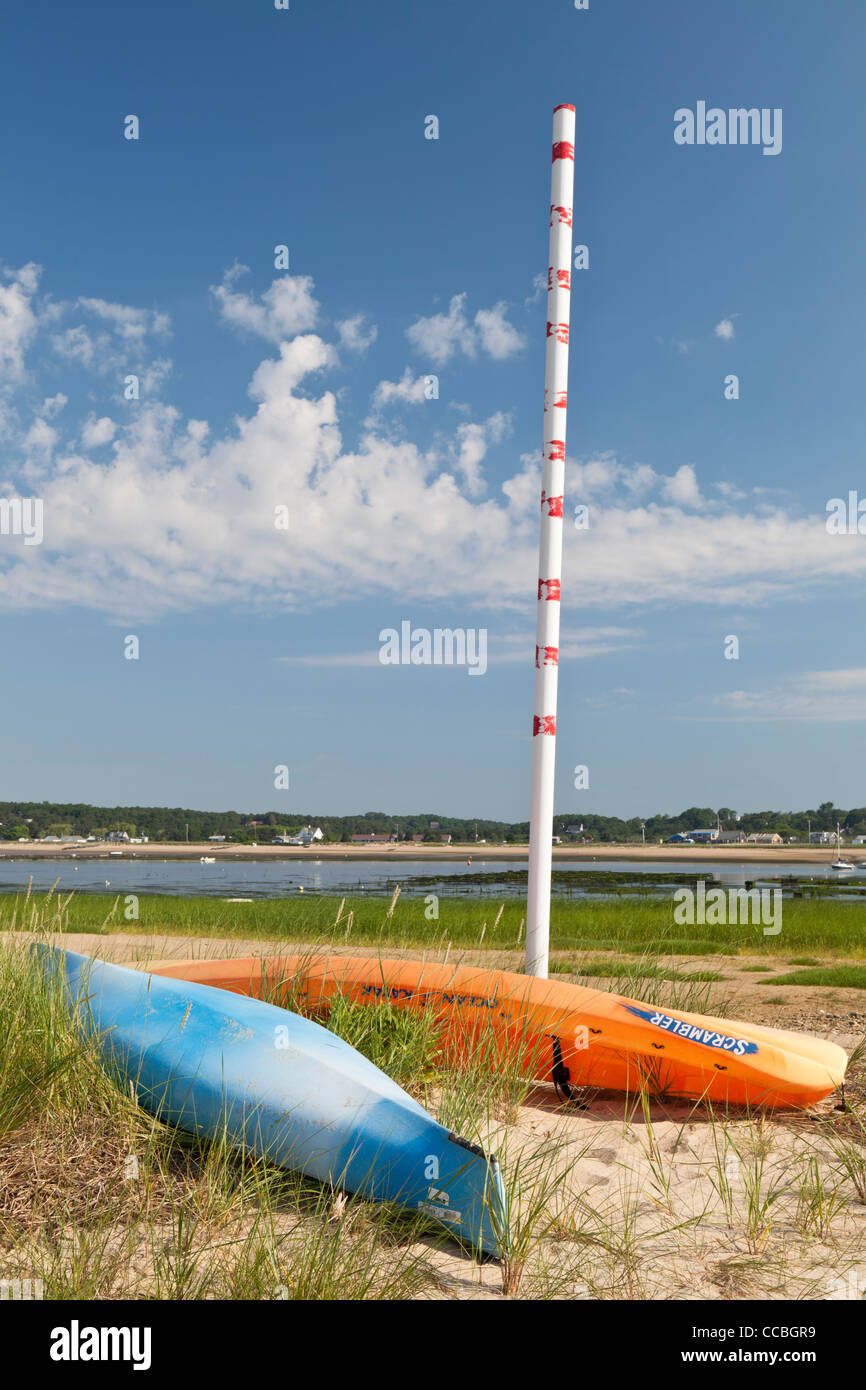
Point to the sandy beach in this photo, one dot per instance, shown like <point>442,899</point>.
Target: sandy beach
<point>679,854</point>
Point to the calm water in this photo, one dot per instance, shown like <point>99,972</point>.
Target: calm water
<point>483,878</point>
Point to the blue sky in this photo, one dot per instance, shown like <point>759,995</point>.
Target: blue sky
<point>262,387</point>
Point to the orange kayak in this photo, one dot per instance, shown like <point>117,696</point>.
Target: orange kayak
<point>550,1030</point>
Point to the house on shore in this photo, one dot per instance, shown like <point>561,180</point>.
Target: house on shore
<point>306,836</point>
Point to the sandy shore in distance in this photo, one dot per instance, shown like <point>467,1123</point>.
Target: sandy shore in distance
<point>758,854</point>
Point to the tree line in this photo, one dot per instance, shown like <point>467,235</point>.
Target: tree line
<point>176,824</point>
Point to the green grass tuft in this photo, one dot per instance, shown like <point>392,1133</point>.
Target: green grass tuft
<point>839,976</point>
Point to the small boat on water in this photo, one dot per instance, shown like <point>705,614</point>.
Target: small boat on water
<point>841,865</point>
<point>282,1087</point>
<point>207,859</point>
<point>554,1031</point>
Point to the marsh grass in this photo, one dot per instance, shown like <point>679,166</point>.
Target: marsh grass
<point>834,976</point>
<point>623,971</point>
<point>623,926</point>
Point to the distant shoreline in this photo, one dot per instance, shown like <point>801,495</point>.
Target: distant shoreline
<point>680,854</point>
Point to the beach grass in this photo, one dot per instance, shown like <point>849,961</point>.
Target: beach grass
<point>100,1200</point>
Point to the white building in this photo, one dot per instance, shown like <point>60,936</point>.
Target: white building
<point>305,836</point>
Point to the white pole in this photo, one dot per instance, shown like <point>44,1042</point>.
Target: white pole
<point>550,544</point>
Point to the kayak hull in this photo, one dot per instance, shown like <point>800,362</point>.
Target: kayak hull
<point>553,1030</point>
<point>283,1088</point>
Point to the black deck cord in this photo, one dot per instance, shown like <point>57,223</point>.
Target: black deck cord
<point>465,1144</point>
<point>561,1077</point>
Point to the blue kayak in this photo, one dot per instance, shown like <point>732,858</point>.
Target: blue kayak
<point>284,1088</point>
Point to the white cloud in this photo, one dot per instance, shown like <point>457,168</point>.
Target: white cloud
<point>640,478</point>
<point>576,644</point>
<point>504,649</point>
<point>523,491</point>
<point>129,323</point>
<point>176,518</point>
<point>38,445</point>
<point>839,682</point>
<point>724,329</point>
<point>52,405</point>
<point>116,343</point>
<point>539,288</point>
<point>683,488</point>
<point>440,336</point>
<point>597,475</point>
<point>154,375</point>
<point>95,432</point>
<point>473,441</point>
<point>498,337</point>
<point>284,310</point>
<point>409,388</point>
<point>334,659</point>
<point>730,491</point>
<point>835,697</point>
<point>77,345</point>
<point>354,334</point>
<point>17,319</point>
<point>40,438</point>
